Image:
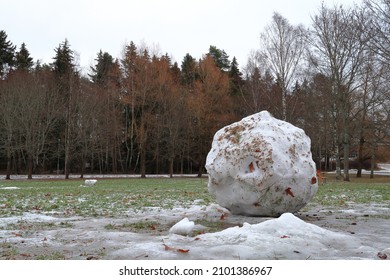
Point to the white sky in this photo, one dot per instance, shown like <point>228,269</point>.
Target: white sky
<point>176,27</point>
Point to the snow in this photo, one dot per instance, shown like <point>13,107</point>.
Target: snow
<point>90,182</point>
<point>184,227</point>
<point>10,188</point>
<point>289,236</point>
<point>261,166</point>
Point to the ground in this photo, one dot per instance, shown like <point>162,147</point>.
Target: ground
<point>348,230</point>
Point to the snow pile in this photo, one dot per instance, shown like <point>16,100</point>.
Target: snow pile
<point>261,166</point>
<point>9,188</point>
<point>286,237</point>
<point>90,182</point>
<point>184,227</point>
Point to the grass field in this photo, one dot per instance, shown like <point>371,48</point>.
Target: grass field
<point>62,219</point>
<point>113,197</point>
<point>109,197</point>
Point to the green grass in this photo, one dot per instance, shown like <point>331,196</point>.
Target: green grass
<point>114,197</point>
<point>109,197</point>
<point>337,194</point>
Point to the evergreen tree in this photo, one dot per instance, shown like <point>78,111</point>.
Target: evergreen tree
<point>188,70</point>
<point>23,59</point>
<point>100,73</point>
<point>63,60</point>
<point>129,60</point>
<point>235,78</point>
<point>220,57</point>
<point>7,53</point>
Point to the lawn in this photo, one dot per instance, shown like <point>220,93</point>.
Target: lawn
<point>109,197</point>
<point>130,218</point>
<point>113,197</point>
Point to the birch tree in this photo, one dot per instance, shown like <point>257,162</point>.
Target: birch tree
<point>282,48</point>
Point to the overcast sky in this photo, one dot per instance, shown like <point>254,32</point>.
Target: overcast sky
<point>175,27</point>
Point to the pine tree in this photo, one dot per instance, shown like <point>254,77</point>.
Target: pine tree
<point>23,59</point>
<point>235,78</point>
<point>63,60</point>
<point>188,70</point>
<point>101,71</point>
<point>7,53</point>
<point>220,57</point>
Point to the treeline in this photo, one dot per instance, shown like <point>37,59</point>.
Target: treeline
<point>145,114</point>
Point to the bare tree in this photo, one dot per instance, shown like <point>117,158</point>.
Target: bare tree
<point>379,32</point>
<point>338,50</point>
<point>32,110</point>
<point>282,49</point>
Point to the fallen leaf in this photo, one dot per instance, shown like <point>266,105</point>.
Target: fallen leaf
<point>251,167</point>
<point>285,236</point>
<point>223,216</point>
<point>288,192</point>
<point>168,248</point>
<point>183,250</point>
<point>382,256</point>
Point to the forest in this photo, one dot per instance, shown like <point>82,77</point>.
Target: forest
<point>143,113</point>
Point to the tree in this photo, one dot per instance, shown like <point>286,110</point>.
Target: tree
<point>7,53</point>
<point>188,70</point>
<point>104,113</point>
<point>32,107</point>
<point>68,87</point>
<point>104,64</point>
<point>282,49</point>
<point>210,108</point>
<point>235,78</point>
<point>379,32</point>
<point>220,57</point>
<point>23,60</point>
<point>339,46</point>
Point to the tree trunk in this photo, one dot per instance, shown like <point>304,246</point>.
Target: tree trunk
<point>360,158</point>
<point>29,166</point>
<point>171,160</point>
<point>143,161</point>
<point>8,173</point>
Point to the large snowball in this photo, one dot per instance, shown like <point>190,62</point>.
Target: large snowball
<point>261,166</point>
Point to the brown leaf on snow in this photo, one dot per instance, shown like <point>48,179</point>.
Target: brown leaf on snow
<point>251,167</point>
<point>223,216</point>
<point>382,256</point>
<point>288,192</point>
<point>168,248</point>
<point>183,250</point>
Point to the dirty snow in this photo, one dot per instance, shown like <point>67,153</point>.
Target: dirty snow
<point>316,234</point>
